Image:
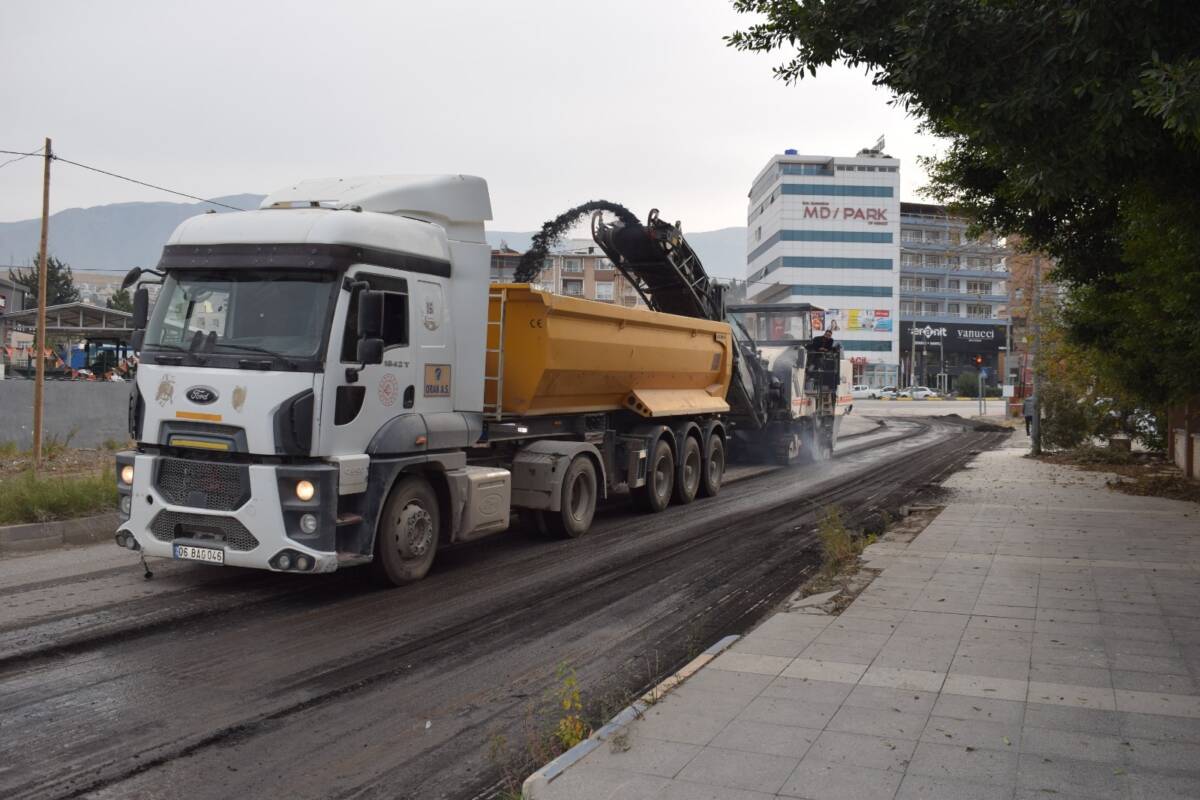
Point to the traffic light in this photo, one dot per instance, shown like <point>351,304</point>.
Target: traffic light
<point>978,361</point>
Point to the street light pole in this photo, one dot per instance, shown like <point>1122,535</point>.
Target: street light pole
<point>39,383</point>
<point>1036,431</point>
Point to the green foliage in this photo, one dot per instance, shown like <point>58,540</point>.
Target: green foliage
<point>571,729</point>
<point>1066,422</point>
<point>1075,123</point>
<point>26,498</point>
<point>60,282</point>
<point>121,301</point>
<point>967,385</point>
<point>839,546</point>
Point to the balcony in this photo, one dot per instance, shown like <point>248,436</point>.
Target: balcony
<point>906,317</point>
<point>943,293</point>
<point>999,272</point>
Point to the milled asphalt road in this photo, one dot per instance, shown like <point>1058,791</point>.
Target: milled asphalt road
<point>210,682</point>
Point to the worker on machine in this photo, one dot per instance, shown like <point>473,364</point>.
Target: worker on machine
<point>823,343</point>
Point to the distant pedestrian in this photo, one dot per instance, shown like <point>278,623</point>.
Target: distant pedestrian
<point>1028,408</point>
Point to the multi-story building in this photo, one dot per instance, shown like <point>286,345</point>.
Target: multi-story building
<point>953,299</point>
<point>825,230</point>
<point>578,270</point>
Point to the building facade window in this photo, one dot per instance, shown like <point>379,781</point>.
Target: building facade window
<point>931,283</point>
<point>952,308</point>
<point>573,288</point>
<point>979,287</point>
<point>979,310</point>
<point>841,291</point>
<point>603,264</point>
<point>906,308</point>
<point>834,190</point>
<point>572,265</point>
<point>604,291</point>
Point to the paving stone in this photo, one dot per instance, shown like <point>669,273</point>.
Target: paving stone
<point>859,750</point>
<point>980,708</point>
<point>749,662</point>
<point>1149,663</point>
<point>1159,755</point>
<point>1054,776</point>
<point>1171,705</point>
<point>1154,682</point>
<point>587,782</point>
<point>1070,676</point>
<point>980,734</point>
<point>719,680</point>
<point>1155,726</point>
<point>898,678</point>
<point>823,780</point>
<point>906,701</point>
<point>956,761</point>
<point>990,668</point>
<point>839,671</point>
<point>1070,718</point>
<point>690,723</point>
<point>766,646</point>
<point>994,688</point>
<point>782,711</point>
<point>1071,695</point>
<point>878,722</point>
<point>739,770</point>
<point>1075,745</point>
<point>761,737</point>
<point>1157,786</point>
<point>685,790</point>
<point>645,755</point>
<point>808,690</point>
<point>926,787</point>
<point>843,654</point>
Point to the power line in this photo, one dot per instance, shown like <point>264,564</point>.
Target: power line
<point>149,185</point>
<point>19,156</point>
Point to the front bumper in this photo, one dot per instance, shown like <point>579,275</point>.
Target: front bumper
<point>250,511</point>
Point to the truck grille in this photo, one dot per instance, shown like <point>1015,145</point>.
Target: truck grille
<point>170,525</point>
<point>203,484</point>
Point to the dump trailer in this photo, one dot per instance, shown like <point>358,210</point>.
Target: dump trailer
<point>331,380</point>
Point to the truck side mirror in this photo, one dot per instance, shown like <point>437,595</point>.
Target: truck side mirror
<point>370,351</point>
<point>370,315</point>
<point>141,308</point>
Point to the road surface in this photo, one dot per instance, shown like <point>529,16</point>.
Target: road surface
<point>211,682</point>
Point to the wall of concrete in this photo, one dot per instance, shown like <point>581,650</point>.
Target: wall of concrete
<point>88,412</point>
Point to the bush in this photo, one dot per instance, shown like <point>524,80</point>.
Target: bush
<point>1066,422</point>
<point>967,385</point>
<point>27,498</point>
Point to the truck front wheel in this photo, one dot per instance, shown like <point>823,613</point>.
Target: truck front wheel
<point>655,493</point>
<point>407,537</point>
<point>578,501</point>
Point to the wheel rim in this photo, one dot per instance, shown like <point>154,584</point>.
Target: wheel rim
<point>414,531</point>
<point>580,497</point>
<point>662,477</point>
<point>716,464</point>
<point>691,469</point>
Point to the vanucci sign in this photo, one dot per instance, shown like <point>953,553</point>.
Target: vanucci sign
<point>981,338</point>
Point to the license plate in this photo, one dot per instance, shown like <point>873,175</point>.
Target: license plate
<point>210,555</point>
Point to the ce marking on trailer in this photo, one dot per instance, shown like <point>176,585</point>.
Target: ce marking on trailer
<point>537,323</point>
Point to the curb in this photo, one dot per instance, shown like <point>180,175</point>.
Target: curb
<point>33,536</point>
<point>535,783</point>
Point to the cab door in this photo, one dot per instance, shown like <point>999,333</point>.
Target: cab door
<point>359,407</point>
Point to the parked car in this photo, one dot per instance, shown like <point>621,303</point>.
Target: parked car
<point>888,393</point>
<point>919,392</point>
<point>863,392</point>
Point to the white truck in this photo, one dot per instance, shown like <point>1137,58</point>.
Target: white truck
<point>331,380</point>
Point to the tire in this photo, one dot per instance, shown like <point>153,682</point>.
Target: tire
<point>406,539</point>
<point>578,494</point>
<point>788,449</point>
<point>687,475</point>
<point>655,494</point>
<point>712,470</point>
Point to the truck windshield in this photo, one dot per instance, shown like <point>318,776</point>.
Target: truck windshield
<point>276,311</point>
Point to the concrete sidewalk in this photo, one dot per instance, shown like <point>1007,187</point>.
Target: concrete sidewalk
<point>1040,639</point>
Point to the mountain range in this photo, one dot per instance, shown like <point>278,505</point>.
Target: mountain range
<point>115,237</point>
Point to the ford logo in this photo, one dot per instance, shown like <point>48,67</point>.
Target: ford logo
<point>201,395</point>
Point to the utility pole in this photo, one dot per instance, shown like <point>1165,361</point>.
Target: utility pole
<point>1036,430</point>
<point>39,384</point>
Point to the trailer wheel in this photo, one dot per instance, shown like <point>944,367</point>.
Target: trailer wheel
<point>687,477</point>
<point>407,538</point>
<point>655,494</point>
<point>578,501</point>
<point>712,470</point>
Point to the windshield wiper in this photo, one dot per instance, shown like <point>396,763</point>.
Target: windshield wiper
<point>253,348</point>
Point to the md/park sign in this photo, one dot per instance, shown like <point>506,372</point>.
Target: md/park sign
<point>953,336</point>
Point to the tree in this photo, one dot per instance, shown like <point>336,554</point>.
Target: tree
<point>121,301</point>
<point>1075,123</point>
<point>60,282</point>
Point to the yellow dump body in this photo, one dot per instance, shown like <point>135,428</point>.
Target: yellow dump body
<point>549,354</point>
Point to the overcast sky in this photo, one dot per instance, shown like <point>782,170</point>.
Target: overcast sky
<point>552,102</point>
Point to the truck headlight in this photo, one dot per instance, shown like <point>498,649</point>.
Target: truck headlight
<point>127,474</point>
<point>308,523</point>
<point>304,490</point>
<point>126,504</point>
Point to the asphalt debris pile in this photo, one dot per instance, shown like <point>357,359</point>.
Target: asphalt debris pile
<point>554,230</point>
